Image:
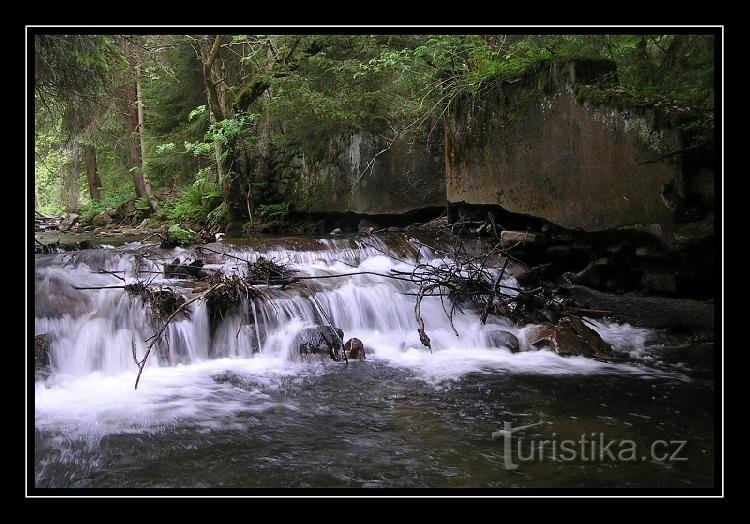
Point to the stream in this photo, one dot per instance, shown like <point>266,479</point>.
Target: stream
<point>236,406</point>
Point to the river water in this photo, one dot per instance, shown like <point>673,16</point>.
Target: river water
<point>235,406</point>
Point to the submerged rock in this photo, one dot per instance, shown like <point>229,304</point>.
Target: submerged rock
<point>321,340</point>
<point>42,345</point>
<point>503,339</point>
<point>354,349</point>
<point>570,337</point>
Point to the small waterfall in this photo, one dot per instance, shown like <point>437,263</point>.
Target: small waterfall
<point>96,330</point>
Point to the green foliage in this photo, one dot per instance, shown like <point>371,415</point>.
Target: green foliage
<point>274,211</point>
<point>196,202</point>
<point>111,200</point>
<point>181,235</point>
<point>142,204</point>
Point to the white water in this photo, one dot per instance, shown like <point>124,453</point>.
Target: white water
<point>90,391</point>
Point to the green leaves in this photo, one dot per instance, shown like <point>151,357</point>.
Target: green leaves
<point>198,111</point>
<point>181,235</point>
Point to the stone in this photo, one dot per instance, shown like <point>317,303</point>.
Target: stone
<point>569,337</point>
<point>336,231</point>
<point>42,346</point>
<point>560,250</point>
<point>320,340</point>
<point>660,281</point>
<point>653,312</point>
<point>503,339</point>
<point>67,222</point>
<point>101,220</point>
<point>511,238</point>
<point>354,349</point>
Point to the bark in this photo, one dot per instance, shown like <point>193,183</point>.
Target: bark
<point>136,160</point>
<point>92,175</point>
<point>146,182</point>
<point>214,103</point>
<point>70,180</point>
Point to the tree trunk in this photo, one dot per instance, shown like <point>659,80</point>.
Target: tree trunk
<point>92,175</point>
<point>146,182</point>
<point>70,180</point>
<point>217,152</point>
<point>136,161</point>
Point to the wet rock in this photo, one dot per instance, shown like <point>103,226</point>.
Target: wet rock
<point>321,340</point>
<point>101,220</point>
<point>67,222</point>
<point>394,229</point>
<point>54,297</point>
<point>42,346</point>
<point>569,337</point>
<point>503,339</point>
<point>336,231</point>
<point>511,238</point>
<point>659,281</point>
<point>354,349</point>
<point>654,312</point>
<point>560,250</point>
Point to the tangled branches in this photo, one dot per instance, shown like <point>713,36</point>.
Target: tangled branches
<point>467,278</point>
<point>269,272</point>
<point>162,300</point>
<point>220,299</point>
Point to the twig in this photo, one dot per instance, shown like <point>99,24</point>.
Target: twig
<point>494,292</point>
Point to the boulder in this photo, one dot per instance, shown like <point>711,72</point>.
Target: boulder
<point>354,349</point>
<point>570,337</point>
<point>102,219</point>
<point>503,339</point>
<point>321,340</point>
<point>67,222</point>
<point>336,231</point>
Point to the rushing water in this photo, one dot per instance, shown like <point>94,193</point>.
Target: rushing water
<point>237,407</point>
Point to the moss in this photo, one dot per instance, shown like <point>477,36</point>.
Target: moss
<point>251,92</point>
<point>694,125</point>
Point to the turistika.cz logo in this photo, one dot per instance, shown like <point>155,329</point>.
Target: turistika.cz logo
<point>590,447</point>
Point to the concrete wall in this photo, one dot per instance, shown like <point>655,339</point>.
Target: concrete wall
<point>543,153</point>
<point>408,176</point>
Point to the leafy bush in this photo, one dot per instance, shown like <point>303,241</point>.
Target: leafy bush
<point>195,202</point>
<point>181,235</point>
<point>274,211</point>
